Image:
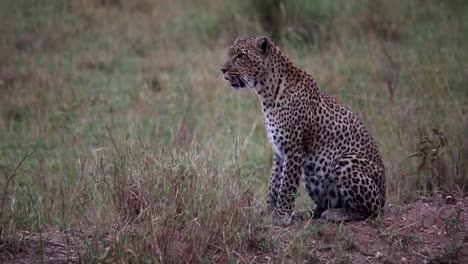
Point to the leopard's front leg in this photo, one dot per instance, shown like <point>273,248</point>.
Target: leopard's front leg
<point>292,171</point>
<point>275,182</point>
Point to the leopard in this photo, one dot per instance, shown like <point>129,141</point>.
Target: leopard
<point>314,138</point>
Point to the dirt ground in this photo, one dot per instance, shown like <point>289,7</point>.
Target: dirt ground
<point>424,231</point>
<point>46,247</point>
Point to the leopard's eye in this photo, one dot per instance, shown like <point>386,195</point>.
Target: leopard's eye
<point>241,55</point>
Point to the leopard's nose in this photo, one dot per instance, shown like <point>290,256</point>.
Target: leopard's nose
<point>223,70</point>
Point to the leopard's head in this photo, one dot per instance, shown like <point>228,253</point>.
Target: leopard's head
<point>247,61</point>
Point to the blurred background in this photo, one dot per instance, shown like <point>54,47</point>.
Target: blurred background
<point>106,98</point>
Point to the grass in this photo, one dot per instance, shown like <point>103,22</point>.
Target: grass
<point>134,134</point>
<point>455,229</point>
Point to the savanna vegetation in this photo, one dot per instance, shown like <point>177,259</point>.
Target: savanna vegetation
<point>118,132</point>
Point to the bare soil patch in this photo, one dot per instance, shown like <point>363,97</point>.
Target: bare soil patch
<point>45,247</point>
<point>422,231</point>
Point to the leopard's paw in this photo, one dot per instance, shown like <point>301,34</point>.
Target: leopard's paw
<point>279,219</point>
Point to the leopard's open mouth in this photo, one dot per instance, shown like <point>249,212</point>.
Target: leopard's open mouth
<point>237,82</point>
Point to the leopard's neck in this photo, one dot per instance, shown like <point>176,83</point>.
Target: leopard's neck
<point>281,75</point>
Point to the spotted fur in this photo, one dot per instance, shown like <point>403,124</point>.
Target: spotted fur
<point>311,134</point>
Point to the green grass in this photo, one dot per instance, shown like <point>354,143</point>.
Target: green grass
<point>128,119</point>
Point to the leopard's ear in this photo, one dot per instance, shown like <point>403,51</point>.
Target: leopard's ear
<point>263,45</point>
<point>237,41</point>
